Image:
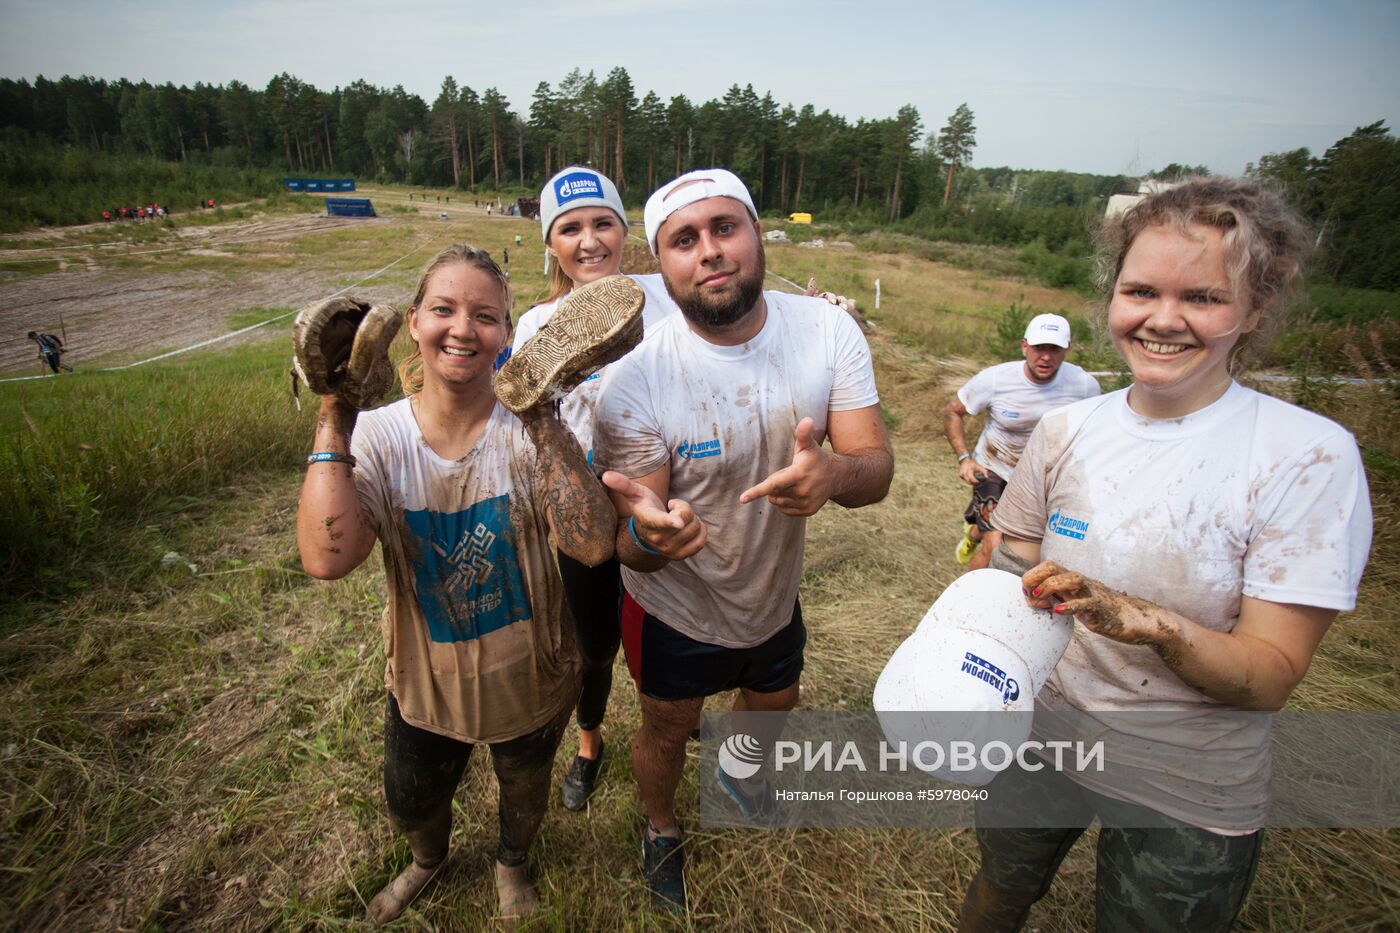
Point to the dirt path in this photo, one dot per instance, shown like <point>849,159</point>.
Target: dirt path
<point>107,311</point>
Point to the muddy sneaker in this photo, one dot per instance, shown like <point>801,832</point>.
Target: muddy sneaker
<point>664,861</point>
<point>966,547</point>
<point>579,782</point>
<point>593,326</point>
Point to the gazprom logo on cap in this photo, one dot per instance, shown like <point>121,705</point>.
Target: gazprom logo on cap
<point>579,185</point>
<point>1062,524</point>
<point>1050,326</point>
<point>993,676</point>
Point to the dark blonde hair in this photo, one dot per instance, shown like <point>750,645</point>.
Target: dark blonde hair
<point>411,369</point>
<point>1266,244</point>
<point>559,283</point>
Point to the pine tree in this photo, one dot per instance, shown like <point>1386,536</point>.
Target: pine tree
<point>955,144</point>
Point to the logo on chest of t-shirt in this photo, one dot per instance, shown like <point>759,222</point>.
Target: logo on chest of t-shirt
<point>1008,414</point>
<point>699,450</point>
<point>1062,524</point>
<point>466,574</point>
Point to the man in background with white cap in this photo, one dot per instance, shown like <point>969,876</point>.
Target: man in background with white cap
<point>712,430</point>
<point>1015,396</point>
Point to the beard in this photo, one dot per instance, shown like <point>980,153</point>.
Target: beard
<point>729,305</point>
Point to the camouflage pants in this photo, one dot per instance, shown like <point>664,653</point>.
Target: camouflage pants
<point>1166,876</point>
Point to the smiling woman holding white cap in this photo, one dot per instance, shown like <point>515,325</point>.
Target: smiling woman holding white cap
<point>1203,536</point>
<point>1015,396</point>
<point>585,226</point>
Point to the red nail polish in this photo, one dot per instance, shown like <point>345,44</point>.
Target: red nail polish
<point>1060,608</point>
<point>1037,591</point>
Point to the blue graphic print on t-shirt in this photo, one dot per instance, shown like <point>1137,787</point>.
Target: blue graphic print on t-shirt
<point>466,573</point>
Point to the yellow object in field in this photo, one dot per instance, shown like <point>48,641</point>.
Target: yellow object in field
<point>799,218</point>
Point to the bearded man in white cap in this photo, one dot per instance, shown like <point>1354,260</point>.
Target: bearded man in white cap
<point>1015,396</point>
<point>712,432</point>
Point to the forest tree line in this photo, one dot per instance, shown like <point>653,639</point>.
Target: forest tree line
<point>892,171</point>
<point>793,157</point>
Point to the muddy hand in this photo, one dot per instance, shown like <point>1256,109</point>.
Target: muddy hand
<point>805,486</point>
<point>971,472</point>
<point>672,530</point>
<point>1100,608</point>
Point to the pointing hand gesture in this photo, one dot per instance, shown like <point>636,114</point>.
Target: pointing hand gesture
<point>805,486</point>
<point>672,530</point>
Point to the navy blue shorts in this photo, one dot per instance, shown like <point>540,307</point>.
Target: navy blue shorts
<point>668,665</point>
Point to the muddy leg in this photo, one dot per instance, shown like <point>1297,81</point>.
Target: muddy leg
<point>523,769</point>
<point>421,772</point>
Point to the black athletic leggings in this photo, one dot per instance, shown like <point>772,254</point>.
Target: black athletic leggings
<point>594,595</point>
<point>422,770</point>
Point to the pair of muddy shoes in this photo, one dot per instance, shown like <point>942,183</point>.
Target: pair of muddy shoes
<point>516,895</point>
<point>595,325</point>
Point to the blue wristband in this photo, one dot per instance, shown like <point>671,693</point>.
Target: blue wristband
<point>632,527</point>
<point>327,456</point>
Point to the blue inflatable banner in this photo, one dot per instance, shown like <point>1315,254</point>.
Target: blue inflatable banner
<point>319,184</point>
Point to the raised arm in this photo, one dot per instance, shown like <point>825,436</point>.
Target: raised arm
<point>576,506</point>
<point>333,535</point>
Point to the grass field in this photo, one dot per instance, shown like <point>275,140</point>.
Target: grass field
<point>192,735</point>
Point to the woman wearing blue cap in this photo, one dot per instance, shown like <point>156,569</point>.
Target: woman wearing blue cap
<point>585,226</point>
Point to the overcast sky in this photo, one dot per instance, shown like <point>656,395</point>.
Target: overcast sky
<point>1083,86</point>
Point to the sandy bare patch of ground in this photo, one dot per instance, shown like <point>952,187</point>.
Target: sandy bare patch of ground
<point>130,313</point>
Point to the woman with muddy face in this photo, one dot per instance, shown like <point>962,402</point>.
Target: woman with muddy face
<point>463,497</point>
<point>585,228</point>
<point>1203,536</point>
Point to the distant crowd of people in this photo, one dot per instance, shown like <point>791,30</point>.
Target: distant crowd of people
<point>141,213</point>
<point>152,211</point>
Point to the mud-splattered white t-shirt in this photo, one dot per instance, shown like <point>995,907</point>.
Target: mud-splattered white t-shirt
<point>1015,405</point>
<point>478,647</point>
<point>576,408</point>
<point>723,419</point>
<point>1251,497</point>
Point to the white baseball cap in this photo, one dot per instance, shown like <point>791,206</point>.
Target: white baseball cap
<point>1048,328</point>
<point>978,650</point>
<point>699,185</point>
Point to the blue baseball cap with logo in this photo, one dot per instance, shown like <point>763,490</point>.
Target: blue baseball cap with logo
<point>577,186</point>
